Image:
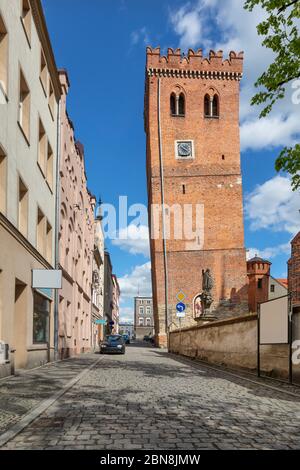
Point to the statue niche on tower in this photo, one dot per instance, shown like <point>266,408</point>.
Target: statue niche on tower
<point>203,301</point>
<point>206,296</point>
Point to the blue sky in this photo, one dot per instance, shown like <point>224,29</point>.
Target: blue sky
<point>102,45</point>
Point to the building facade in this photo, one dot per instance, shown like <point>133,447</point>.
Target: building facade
<point>294,272</point>
<point>193,169</point>
<point>115,304</point>
<point>126,329</point>
<point>29,95</point>
<point>98,286</point>
<point>143,317</point>
<point>108,293</point>
<point>263,286</point>
<point>76,240</point>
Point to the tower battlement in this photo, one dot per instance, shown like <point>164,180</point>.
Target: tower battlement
<point>194,64</point>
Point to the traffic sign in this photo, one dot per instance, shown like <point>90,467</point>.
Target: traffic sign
<point>180,296</point>
<point>180,307</point>
<point>111,322</point>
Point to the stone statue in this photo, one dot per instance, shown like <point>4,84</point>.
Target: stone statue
<point>207,281</point>
<point>207,286</point>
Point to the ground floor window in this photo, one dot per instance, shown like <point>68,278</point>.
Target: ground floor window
<point>41,314</point>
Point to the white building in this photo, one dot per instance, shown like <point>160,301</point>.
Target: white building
<point>29,96</point>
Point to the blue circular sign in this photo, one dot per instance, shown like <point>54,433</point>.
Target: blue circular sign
<point>180,307</point>
<point>111,322</point>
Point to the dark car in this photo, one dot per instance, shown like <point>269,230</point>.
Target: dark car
<point>149,339</point>
<point>126,338</point>
<point>113,344</point>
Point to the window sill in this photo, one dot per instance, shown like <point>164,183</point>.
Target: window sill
<point>23,133</point>
<point>211,117</point>
<point>177,115</point>
<point>38,347</point>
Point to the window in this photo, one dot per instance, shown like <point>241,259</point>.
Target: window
<point>207,106</point>
<point>148,310</point>
<point>42,147</point>
<point>259,283</point>
<point>181,105</point>
<point>23,208</point>
<point>3,56</point>
<point>215,106</point>
<point>26,19</point>
<point>43,73</point>
<point>148,302</point>
<point>177,104</point>
<point>141,310</point>
<point>41,231</point>
<point>3,181</point>
<point>148,321</point>
<point>173,104</point>
<point>272,287</point>
<point>51,99</point>
<point>211,106</point>
<point>24,106</point>
<point>49,170</point>
<point>49,242</point>
<point>141,322</point>
<point>41,314</point>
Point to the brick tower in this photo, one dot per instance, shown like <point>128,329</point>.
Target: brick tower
<point>193,158</point>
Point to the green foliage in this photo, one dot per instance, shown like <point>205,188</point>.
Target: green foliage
<point>280,30</point>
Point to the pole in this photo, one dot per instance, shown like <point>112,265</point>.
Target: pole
<point>163,214</point>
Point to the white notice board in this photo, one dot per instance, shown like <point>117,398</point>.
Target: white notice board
<point>274,320</point>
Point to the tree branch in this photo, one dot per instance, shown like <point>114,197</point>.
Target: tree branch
<point>284,7</point>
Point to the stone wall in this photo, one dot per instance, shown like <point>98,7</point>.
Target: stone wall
<point>233,343</point>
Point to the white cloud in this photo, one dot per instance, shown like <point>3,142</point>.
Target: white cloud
<point>140,36</point>
<point>198,24</point>
<point>137,282</point>
<point>270,252</point>
<point>126,314</point>
<point>134,240</point>
<point>273,205</point>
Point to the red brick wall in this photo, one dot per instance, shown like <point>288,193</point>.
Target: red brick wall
<point>294,270</point>
<point>213,178</point>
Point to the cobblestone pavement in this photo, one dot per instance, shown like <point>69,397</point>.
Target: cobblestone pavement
<point>20,394</point>
<point>149,400</point>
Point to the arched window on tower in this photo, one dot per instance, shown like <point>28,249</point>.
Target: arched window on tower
<point>207,112</point>
<point>173,104</point>
<point>215,106</point>
<point>181,105</point>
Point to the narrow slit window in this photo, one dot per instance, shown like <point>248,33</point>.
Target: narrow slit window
<point>181,105</point>
<point>42,147</point>
<point>207,106</point>
<point>24,106</point>
<point>51,99</point>
<point>173,104</point>
<point>23,208</point>
<point>43,72</point>
<point>49,174</point>
<point>183,189</point>
<point>41,232</point>
<point>215,106</point>
<point>26,19</point>
<point>3,181</point>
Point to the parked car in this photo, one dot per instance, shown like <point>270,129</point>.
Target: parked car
<point>126,338</point>
<point>113,344</point>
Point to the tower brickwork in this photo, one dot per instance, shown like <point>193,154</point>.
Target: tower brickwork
<point>193,158</point>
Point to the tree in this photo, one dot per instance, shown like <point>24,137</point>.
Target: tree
<point>281,34</point>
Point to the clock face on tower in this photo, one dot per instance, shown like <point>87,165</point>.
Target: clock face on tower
<point>184,149</point>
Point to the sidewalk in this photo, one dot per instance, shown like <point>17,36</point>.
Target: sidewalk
<point>20,394</point>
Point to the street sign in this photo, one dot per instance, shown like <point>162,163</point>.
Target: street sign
<point>100,322</point>
<point>46,279</point>
<point>180,296</point>
<point>111,322</point>
<point>180,307</point>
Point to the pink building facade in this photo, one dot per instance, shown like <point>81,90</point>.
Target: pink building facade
<point>76,243</point>
<point>115,303</point>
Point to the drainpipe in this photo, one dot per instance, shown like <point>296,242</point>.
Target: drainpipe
<point>163,212</point>
<point>57,217</point>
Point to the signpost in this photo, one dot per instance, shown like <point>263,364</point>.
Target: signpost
<point>180,309</point>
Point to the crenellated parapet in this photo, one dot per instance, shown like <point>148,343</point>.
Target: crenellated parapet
<point>194,65</point>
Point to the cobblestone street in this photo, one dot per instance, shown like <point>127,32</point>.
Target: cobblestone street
<point>148,399</point>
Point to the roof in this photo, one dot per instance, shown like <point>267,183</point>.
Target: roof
<point>283,282</point>
<point>257,259</point>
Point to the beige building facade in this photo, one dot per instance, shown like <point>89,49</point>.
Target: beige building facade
<point>29,97</point>
<point>98,286</point>
<point>76,240</point>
